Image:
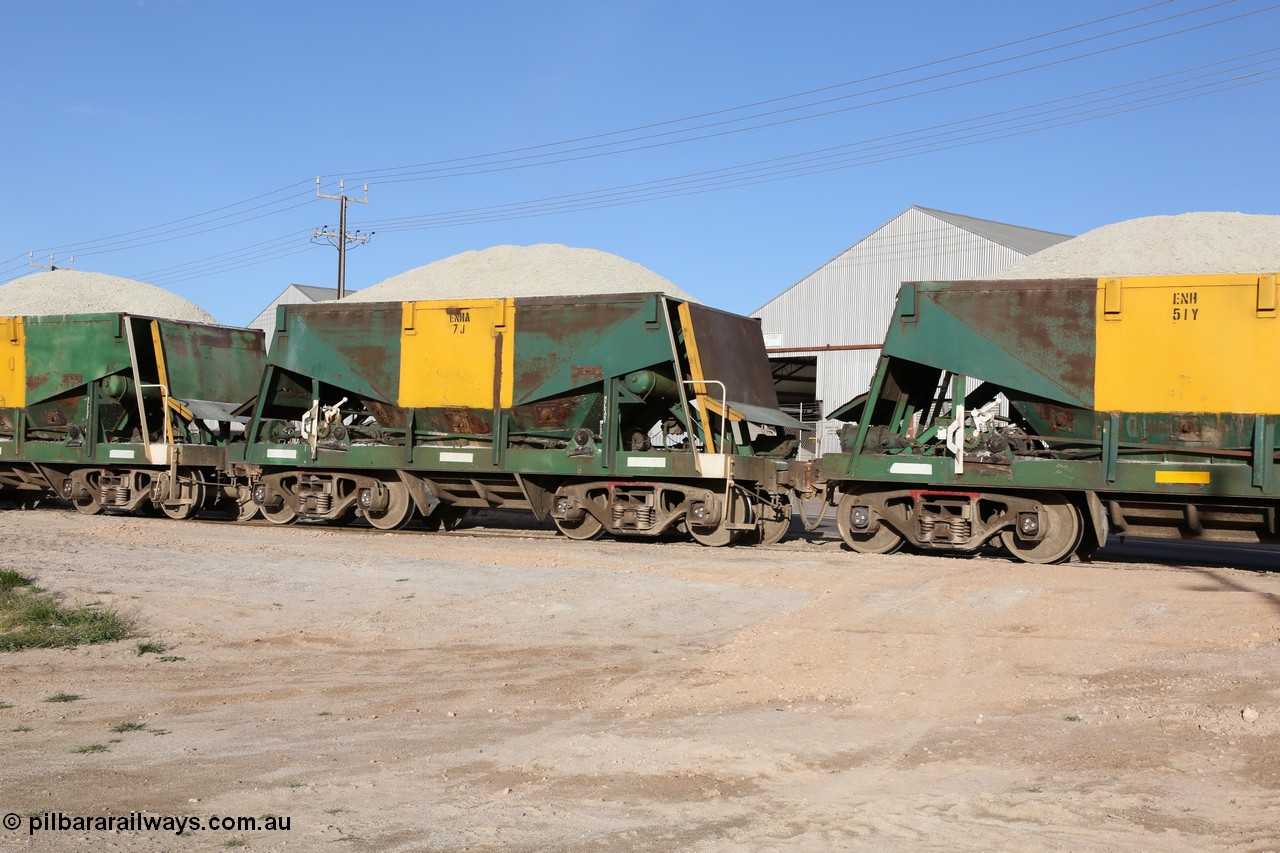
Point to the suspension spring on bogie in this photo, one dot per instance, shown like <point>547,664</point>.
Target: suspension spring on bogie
<point>634,516</point>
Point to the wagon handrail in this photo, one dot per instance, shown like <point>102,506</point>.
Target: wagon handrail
<point>724,407</point>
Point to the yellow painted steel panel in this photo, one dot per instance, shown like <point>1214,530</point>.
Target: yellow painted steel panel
<point>458,353</point>
<point>1183,477</point>
<point>13,363</point>
<point>1186,344</point>
<point>700,387</point>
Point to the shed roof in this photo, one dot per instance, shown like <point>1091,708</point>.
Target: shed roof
<point>1015,238</point>
<point>317,294</point>
<point>1028,241</point>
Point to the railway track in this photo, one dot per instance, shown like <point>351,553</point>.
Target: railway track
<point>797,539</point>
<point>1118,550</point>
<point>412,530</point>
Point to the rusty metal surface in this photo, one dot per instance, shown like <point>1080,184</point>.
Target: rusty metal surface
<point>732,351</point>
<point>65,352</point>
<point>352,346</point>
<point>387,414</point>
<point>211,362</point>
<point>568,345</point>
<point>1033,336</point>
<point>467,421</point>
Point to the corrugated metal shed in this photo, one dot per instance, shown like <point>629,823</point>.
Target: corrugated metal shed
<point>839,312</point>
<point>294,294</point>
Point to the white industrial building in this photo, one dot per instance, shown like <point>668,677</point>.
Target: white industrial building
<point>294,294</point>
<point>824,332</point>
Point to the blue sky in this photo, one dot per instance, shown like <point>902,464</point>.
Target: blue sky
<point>178,142</point>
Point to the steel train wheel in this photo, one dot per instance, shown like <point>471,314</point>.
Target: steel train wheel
<point>584,529</point>
<point>240,506</point>
<point>348,515</point>
<point>87,505</point>
<point>244,510</point>
<point>722,534</point>
<point>182,512</point>
<point>281,515</point>
<point>1062,534</point>
<point>399,509</point>
<point>775,523</point>
<point>715,537</point>
<point>885,540</point>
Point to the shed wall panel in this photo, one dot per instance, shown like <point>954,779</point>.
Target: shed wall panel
<point>849,300</point>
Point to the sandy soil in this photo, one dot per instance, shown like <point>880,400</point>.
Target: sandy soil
<point>398,692</point>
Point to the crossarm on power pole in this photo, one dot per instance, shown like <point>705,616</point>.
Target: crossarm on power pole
<point>341,234</point>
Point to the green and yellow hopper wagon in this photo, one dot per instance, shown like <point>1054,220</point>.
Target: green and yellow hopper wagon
<point>1046,415</point>
<point>627,413</point>
<point>121,412</point>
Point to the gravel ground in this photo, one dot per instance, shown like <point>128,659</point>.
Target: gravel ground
<point>407,692</point>
<point>79,292</point>
<point>1188,244</point>
<point>545,269</point>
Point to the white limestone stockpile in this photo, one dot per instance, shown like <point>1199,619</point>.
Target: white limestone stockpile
<point>78,292</point>
<point>545,269</point>
<point>1187,244</point>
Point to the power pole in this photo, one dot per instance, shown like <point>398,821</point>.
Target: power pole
<point>52,265</point>
<point>341,235</point>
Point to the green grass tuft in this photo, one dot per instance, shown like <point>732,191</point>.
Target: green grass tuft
<point>1072,718</point>
<point>150,647</point>
<point>170,658</point>
<point>20,729</point>
<point>11,580</point>
<point>64,697</point>
<point>33,619</point>
<point>128,727</point>
<point>4,706</point>
<point>93,747</point>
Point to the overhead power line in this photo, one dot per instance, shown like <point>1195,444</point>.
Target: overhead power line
<point>546,158</point>
<point>196,224</point>
<point>574,155</point>
<point>260,248</point>
<point>195,216</point>
<point>864,152</point>
<point>644,190</point>
<point>677,131</point>
<point>779,99</point>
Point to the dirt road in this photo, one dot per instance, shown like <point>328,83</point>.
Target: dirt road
<point>458,692</point>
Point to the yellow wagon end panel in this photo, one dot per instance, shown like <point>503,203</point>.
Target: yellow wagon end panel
<point>13,363</point>
<point>457,353</point>
<point>1187,344</point>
